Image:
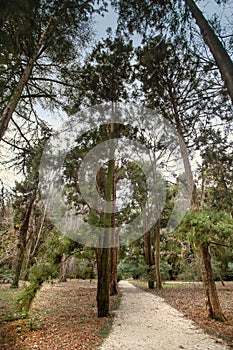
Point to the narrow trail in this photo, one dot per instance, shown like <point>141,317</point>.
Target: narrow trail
<point>146,321</point>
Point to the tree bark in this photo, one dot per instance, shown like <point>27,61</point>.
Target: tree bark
<point>114,262</point>
<point>8,111</point>
<point>220,55</point>
<point>157,255</point>
<point>149,259</point>
<point>114,248</point>
<point>22,241</point>
<point>103,294</point>
<point>212,304</point>
<point>103,287</point>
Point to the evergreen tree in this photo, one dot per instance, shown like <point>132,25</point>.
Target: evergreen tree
<point>36,42</point>
<point>158,16</point>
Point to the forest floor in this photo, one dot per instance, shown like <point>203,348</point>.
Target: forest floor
<point>64,316</point>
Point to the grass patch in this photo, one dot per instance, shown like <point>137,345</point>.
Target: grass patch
<point>179,285</point>
<point>143,284</point>
<point>116,303</point>
<point>8,309</point>
<point>103,333</point>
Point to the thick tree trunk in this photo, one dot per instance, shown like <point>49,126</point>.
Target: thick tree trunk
<point>103,294</point>
<point>103,288</point>
<point>157,255</point>
<point>8,111</point>
<point>212,304</point>
<point>220,55</point>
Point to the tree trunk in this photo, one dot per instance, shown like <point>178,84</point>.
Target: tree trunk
<point>22,242</point>
<point>103,282</point>
<point>149,259</point>
<point>212,304</point>
<point>19,257</point>
<point>103,288</point>
<point>114,262</point>
<point>8,111</point>
<point>63,268</point>
<point>220,55</point>
<point>114,248</point>
<point>157,255</point>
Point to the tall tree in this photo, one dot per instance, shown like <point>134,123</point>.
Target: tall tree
<point>177,88</point>
<point>41,34</point>
<point>106,74</point>
<point>220,54</point>
<point>26,195</point>
<point>155,15</point>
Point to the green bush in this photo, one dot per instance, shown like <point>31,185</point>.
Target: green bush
<point>190,271</point>
<point>132,268</point>
<point>6,275</point>
<point>165,267</point>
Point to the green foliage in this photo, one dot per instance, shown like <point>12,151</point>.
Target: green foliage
<point>34,323</point>
<point>190,271</point>
<point>39,273</point>
<point>165,267</point>
<point>213,228</point>
<point>23,22</point>
<point>132,266</point>
<point>6,274</point>
<point>103,333</point>
<point>216,172</point>
<point>140,15</point>
<point>8,299</point>
<point>26,297</point>
<point>207,226</point>
<point>107,71</point>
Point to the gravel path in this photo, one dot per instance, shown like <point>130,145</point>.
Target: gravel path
<point>145,321</point>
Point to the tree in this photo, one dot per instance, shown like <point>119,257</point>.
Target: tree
<point>154,15</point>
<point>203,229</point>
<point>220,55</point>
<point>106,73</point>
<point>24,205</point>
<point>216,177</point>
<point>216,185</point>
<point>29,39</point>
<point>172,89</point>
